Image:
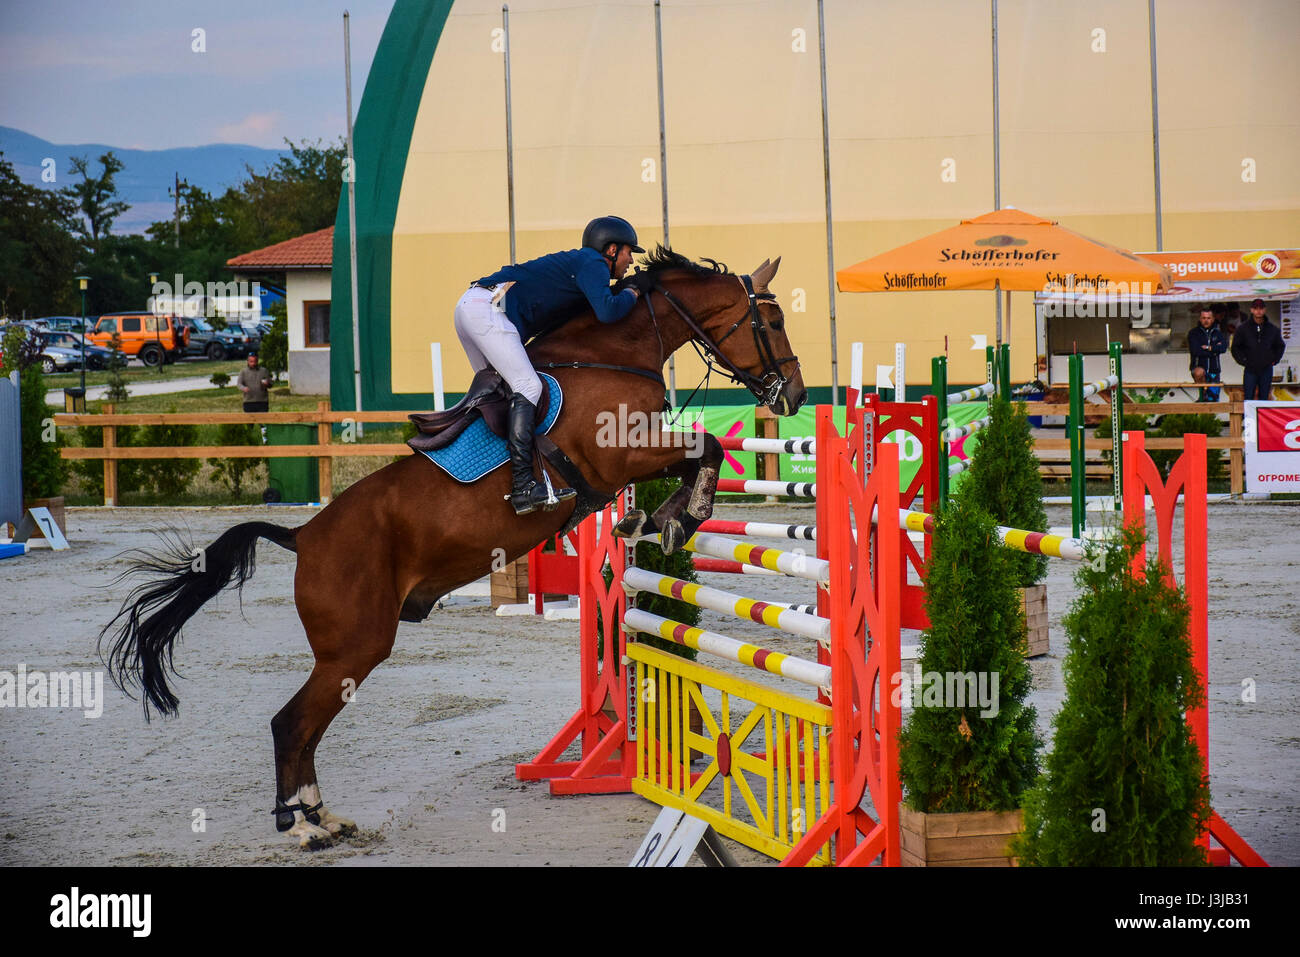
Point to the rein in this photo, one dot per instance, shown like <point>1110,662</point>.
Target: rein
<point>765,388</point>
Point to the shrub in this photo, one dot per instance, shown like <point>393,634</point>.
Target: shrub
<point>1124,783</point>
<point>964,758</point>
<point>44,469</point>
<point>168,477</point>
<point>649,496</point>
<point>117,391</point>
<point>231,472</point>
<point>220,380</point>
<point>1003,480</point>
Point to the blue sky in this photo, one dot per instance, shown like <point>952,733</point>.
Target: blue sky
<point>123,72</point>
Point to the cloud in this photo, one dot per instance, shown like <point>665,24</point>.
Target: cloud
<point>254,129</point>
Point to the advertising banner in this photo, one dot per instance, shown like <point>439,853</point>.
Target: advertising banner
<point>1271,434</point>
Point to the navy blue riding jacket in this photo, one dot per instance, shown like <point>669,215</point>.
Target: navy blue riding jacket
<point>550,290</point>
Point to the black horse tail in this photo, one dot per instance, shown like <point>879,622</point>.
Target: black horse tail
<point>146,627</point>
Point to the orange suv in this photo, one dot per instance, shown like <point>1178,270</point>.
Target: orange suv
<point>155,339</point>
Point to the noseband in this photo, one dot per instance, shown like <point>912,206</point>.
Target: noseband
<point>765,388</point>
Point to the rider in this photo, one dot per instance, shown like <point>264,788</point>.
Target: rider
<point>503,310</point>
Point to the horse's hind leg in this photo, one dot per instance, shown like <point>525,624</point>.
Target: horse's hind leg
<point>346,652</point>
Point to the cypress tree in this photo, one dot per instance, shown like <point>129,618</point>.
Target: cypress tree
<point>964,758</point>
<point>1124,784</point>
<point>1003,479</point>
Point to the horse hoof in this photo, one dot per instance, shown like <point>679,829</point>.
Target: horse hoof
<point>630,525</point>
<point>311,837</point>
<point>337,826</point>
<point>673,536</point>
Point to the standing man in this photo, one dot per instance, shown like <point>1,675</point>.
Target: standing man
<point>254,381</point>
<point>1206,342</point>
<point>1257,346</point>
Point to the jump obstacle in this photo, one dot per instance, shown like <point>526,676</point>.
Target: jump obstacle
<point>798,795</point>
<point>557,574</point>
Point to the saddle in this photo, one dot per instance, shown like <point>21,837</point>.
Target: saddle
<point>488,398</point>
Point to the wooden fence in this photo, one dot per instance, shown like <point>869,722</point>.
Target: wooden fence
<point>326,448</point>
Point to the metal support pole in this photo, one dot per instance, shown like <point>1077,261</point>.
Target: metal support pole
<point>830,232</point>
<point>663,175</point>
<point>1117,426</point>
<point>997,155</point>
<point>352,222</point>
<point>1155,124</point>
<point>1075,426</point>
<point>510,138</point>
<point>939,388</point>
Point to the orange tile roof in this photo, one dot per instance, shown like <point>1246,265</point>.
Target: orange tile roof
<point>312,251</point>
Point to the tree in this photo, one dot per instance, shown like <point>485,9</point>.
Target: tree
<point>969,755</point>
<point>96,198</point>
<point>274,351</point>
<point>1003,480</point>
<point>1124,785</point>
<point>38,252</point>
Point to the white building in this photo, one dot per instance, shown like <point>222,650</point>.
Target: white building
<point>305,263</point>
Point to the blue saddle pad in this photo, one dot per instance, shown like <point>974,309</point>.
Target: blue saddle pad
<point>478,450</point>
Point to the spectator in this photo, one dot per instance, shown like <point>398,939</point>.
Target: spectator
<point>254,381</point>
<point>1257,346</point>
<point>1206,342</point>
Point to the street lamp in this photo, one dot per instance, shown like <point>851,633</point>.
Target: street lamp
<point>83,281</point>
<point>153,308</point>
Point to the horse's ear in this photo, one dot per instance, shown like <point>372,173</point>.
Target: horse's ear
<point>764,273</point>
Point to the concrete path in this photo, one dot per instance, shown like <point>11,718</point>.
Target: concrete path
<point>136,387</point>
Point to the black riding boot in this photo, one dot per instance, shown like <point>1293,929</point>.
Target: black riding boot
<point>527,494</point>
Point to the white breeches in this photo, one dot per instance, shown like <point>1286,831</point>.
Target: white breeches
<point>490,339</point>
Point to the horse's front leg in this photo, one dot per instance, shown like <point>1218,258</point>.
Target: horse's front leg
<point>681,515</point>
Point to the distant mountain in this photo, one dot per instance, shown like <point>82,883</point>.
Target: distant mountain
<point>147,175</point>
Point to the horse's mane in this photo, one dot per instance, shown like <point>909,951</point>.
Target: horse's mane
<point>663,259</point>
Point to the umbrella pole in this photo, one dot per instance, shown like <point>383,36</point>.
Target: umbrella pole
<point>997,301</point>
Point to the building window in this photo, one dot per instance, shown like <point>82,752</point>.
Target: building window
<point>316,323</point>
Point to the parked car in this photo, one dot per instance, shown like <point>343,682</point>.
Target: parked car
<point>154,339</point>
<point>53,358</point>
<point>66,323</point>
<point>96,358</point>
<point>216,344</point>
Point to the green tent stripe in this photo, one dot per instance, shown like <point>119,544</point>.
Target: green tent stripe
<point>381,141</point>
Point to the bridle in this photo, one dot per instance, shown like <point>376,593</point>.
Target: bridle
<point>766,388</point>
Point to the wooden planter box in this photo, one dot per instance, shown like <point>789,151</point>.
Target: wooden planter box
<point>1035,602</point>
<point>969,839</point>
<point>510,584</point>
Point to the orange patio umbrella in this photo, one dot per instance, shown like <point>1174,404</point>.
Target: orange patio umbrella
<point>1006,249</point>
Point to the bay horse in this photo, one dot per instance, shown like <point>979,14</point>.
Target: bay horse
<point>392,544</point>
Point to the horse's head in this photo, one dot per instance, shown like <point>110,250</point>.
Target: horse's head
<point>738,324</point>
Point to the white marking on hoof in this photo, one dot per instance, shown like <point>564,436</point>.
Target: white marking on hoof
<point>309,796</point>
<point>337,826</point>
<point>310,837</point>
